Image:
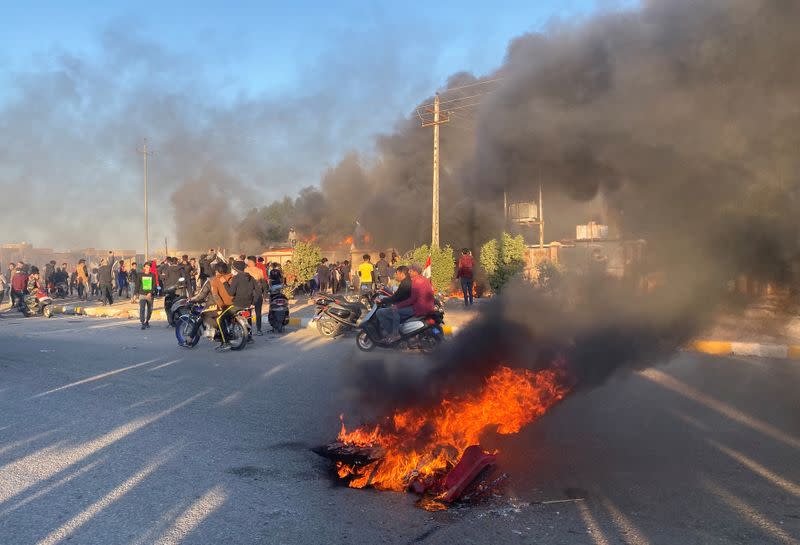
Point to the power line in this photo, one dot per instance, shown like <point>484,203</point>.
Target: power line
<point>454,100</point>
<point>459,107</point>
<point>484,82</point>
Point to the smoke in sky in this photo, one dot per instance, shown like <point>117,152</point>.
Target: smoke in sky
<point>684,115</point>
<point>71,123</point>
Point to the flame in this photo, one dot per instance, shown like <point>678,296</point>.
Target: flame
<point>367,238</point>
<point>311,238</point>
<point>347,241</point>
<point>422,443</point>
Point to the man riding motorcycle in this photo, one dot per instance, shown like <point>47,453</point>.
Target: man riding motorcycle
<point>221,297</point>
<point>390,317</point>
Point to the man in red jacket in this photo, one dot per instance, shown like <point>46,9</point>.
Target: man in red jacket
<point>465,266</point>
<point>420,302</point>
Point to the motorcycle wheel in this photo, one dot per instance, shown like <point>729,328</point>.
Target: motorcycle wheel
<point>187,332</point>
<point>47,311</point>
<point>428,342</point>
<point>364,342</point>
<point>238,334</point>
<point>178,315</point>
<point>328,327</point>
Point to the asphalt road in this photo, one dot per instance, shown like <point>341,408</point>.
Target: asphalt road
<point>111,435</point>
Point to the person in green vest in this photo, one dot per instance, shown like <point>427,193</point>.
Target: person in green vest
<point>145,286</point>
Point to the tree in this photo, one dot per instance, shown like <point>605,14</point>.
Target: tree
<point>502,260</point>
<point>442,264</point>
<point>305,258</point>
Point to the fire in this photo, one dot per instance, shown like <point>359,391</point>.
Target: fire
<point>367,238</point>
<point>419,444</point>
<point>347,241</point>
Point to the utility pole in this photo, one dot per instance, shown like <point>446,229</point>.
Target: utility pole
<point>438,119</point>
<point>145,153</point>
<point>541,218</point>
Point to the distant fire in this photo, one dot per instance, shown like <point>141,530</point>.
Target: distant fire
<point>422,445</point>
<point>347,241</point>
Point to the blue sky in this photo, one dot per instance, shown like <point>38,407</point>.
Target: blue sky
<point>270,93</point>
<point>235,44</point>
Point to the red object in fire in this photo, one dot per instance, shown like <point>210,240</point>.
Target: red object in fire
<point>473,461</point>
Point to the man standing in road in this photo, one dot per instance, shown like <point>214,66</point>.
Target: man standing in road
<point>382,270</point>
<point>366,273</point>
<point>19,284</point>
<point>83,280</point>
<point>323,275</point>
<point>258,297</point>
<point>144,287</point>
<point>105,279</point>
<point>464,274</point>
<point>133,279</point>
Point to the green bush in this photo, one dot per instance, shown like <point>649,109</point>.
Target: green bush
<point>442,265</point>
<point>305,258</point>
<point>502,260</point>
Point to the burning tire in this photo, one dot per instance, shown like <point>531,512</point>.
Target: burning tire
<point>364,342</point>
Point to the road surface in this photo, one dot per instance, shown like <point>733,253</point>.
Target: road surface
<point>113,435</point>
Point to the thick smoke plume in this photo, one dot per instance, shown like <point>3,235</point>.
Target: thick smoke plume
<point>683,115</point>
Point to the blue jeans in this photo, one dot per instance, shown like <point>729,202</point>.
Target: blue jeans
<point>391,318</point>
<point>466,287</point>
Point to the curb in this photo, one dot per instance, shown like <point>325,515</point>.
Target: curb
<point>729,348</point>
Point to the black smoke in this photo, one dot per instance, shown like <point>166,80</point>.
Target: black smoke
<point>682,114</point>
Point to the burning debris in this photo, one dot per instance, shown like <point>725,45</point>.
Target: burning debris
<point>435,452</point>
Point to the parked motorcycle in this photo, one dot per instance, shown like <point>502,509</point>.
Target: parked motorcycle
<point>416,333</point>
<point>278,315</point>
<point>35,305</point>
<point>337,314</point>
<point>201,322</point>
<point>61,290</point>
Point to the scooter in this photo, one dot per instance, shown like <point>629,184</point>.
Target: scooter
<point>422,333</point>
<point>337,314</point>
<point>34,305</point>
<point>278,315</point>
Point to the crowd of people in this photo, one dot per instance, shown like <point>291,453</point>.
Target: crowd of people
<point>231,283</point>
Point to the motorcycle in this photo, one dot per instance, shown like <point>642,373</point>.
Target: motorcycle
<point>416,333</point>
<point>278,316</point>
<point>61,290</point>
<point>174,300</point>
<point>337,314</point>
<point>34,305</point>
<point>200,322</point>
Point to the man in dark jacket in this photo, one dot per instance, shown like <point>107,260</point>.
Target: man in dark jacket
<point>382,270</point>
<point>323,275</point>
<point>133,278</point>
<point>241,288</point>
<point>105,279</point>
<point>390,317</point>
